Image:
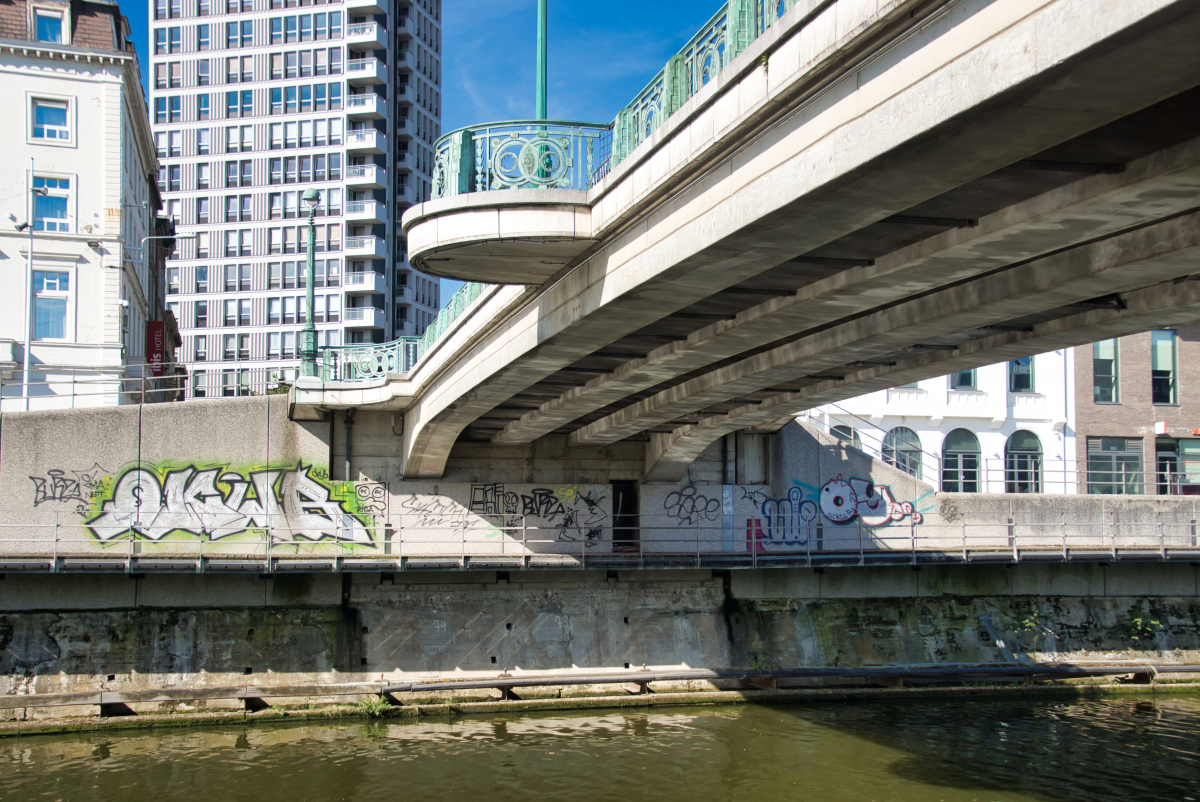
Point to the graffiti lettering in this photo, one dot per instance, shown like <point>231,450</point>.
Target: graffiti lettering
<point>844,500</point>
<point>570,509</point>
<point>188,500</point>
<point>55,486</point>
<point>689,507</point>
<point>787,522</point>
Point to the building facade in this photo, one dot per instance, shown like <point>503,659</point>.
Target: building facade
<point>79,177</point>
<point>1007,428</point>
<point>252,103</point>
<point>1139,413</point>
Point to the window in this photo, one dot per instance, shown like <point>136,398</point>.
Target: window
<point>201,315</point>
<point>1023,463</point>
<point>289,310</point>
<point>201,244</point>
<point>48,26</point>
<point>174,182</point>
<point>230,315</point>
<point>273,345</point>
<point>201,349</point>
<point>247,33</point>
<point>247,171</point>
<point>202,37</point>
<point>199,389</point>
<point>174,35</point>
<point>50,290</point>
<point>202,148</point>
<point>244,280</point>
<point>201,278</point>
<point>960,462</point>
<point>175,70</point>
<point>50,120</point>
<point>247,103</point>
<point>276,32</point>
<point>274,311</point>
<point>846,436</point>
<point>201,210</point>
<point>176,104</point>
<point>1020,375</point>
<point>1114,466</point>
<point>1105,381</point>
<point>231,35</point>
<point>202,72</point>
<point>202,109</point>
<point>901,448</point>
<point>243,347</point>
<point>176,146</point>
<point>228,388</point>
<point>963,380</point>
<point>50,209</point>
<point>289,344</point>
<point>203,8</point>
<point>172,281</point>
<point>1162,367</point>
<point>274,275</point>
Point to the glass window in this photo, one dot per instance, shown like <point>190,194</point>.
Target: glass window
<point>202,37</point>
<point>201,349</point>
<point>1114,466</point>
<point>175,35</point>
<point>1105,379</point>
<point>1162,367</point>
<point>901,448</point>
<point>201,314</point>
<point>50,290</point>
<point>847,436</point>
<point>960,462</point>
<point>202,108</point>
<point>202,72</point>
<point>201,278</point>
<point>276,33</point>
<point>49,26</point>
<point>247,33</point>
<point>50,120</point>
<point>1023,463</point>
<point>50,209</point>
<point>172,280</point>
<point>1020,375</point>
<point>963,380</point>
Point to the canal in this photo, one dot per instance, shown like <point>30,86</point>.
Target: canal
<point>999,750</point>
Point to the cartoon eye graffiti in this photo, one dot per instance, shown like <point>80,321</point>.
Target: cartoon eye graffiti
<point>839,502</point>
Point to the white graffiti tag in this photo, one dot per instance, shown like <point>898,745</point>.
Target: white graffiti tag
<point>842,500</point>
<point>189,501</point>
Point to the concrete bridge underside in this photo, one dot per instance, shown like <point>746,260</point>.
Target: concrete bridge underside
<point>864,198</point>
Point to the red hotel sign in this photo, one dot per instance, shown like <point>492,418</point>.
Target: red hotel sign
<point>156,345</point>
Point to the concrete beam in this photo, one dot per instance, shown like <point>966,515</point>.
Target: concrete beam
<point>1151,188</point>
<point>1169,303</point>
<point>768,170</point>
<point>1134,259</point>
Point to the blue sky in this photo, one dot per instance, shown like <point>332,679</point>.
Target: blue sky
<point>601,55</point>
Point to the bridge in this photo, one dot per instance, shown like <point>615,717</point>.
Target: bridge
<point>809,202</point>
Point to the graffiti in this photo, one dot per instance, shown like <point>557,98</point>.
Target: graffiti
<point>689,507</point>
<point>435,511</point>
<point>949,511</point>
<point>57,486</point>
<point>372,498</point>
<point>788,522</point>
<point>216,503</point>
<point>753,494</point>
<point>843,500</point>
<point>570,509</point>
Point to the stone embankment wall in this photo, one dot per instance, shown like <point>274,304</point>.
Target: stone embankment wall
<point>77,633</point>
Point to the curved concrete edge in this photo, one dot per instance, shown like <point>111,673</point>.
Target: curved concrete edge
<point>500,237</point>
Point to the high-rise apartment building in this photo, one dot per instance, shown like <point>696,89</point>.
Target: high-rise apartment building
<point>252,103</point>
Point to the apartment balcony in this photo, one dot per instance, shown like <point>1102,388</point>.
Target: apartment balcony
<point>363,317</point>
<point>366,36</point>
<point>365,176</point>
<point>367,6</point>
<point>364,212</point>
<point>365,248</point>
<point>365,141</point>
<point>365,72</point>
<point>366,107</point>
<point>365,283</point>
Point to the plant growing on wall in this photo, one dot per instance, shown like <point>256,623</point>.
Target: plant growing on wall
<point>1141,627</point>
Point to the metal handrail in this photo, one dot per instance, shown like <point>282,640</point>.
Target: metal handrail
<point>357,28</point>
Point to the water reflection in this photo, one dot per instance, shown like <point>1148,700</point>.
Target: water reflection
<point>977,751</point>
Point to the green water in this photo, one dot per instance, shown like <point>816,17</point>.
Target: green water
<point>1145,748</point>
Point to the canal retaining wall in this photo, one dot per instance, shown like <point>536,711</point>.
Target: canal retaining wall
<point>73,634</point>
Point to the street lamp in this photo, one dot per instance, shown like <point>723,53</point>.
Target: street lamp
<point>308,337</point>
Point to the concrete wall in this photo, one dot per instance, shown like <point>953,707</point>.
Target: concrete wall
<point>63,634</point>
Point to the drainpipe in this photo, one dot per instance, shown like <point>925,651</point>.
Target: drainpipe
<point>349,434</point>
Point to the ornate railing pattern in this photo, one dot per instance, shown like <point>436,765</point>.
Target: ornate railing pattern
<point>728,33</point>
<point>344,363</point>
<point>523,154</point>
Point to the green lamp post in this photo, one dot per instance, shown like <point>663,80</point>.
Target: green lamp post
<point>308,337</point>
<point>542,62</point>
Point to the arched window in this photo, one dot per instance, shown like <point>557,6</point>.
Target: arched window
<point>1023,463</point>
<point>902,448</point>
<point>847,436</point>
<point>960,462</point>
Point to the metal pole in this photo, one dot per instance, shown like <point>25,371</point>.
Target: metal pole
<point>542,60</point>
<point>308,337</point>
<point>28,297</point>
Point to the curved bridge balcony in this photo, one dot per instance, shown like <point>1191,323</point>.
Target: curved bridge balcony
<point>509,201</point>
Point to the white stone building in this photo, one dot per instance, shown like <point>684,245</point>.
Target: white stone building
<point>252,103</point>
<point>1007,428</point>
<point>78,170</point>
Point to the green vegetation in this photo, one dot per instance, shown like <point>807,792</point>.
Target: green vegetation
<point>1141,627</point>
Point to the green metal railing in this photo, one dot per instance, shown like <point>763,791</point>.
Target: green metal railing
<point>521,154</point>
<point>554,154</point>
<point>343,363</point>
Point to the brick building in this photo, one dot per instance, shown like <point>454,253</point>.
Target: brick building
<point>1138,413</point>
